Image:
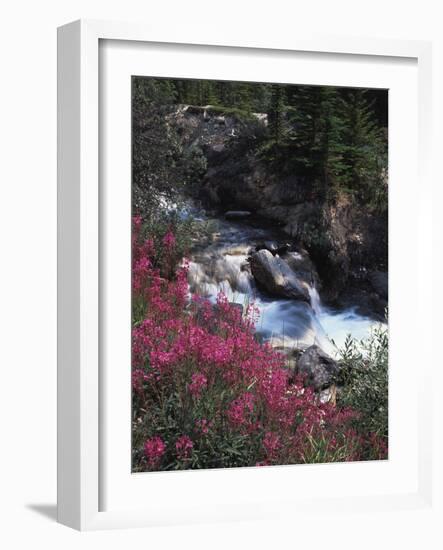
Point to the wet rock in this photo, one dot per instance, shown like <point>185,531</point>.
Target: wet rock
<point>303,266</point>
<point>276,277</point>
<point>272,246</point>
<point>237,214</point>
<point>318,368</point>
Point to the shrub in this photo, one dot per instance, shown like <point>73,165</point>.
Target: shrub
<point>365,379</point>
<point>207,394</point>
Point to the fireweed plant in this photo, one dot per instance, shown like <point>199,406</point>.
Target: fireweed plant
<point>207,393</point>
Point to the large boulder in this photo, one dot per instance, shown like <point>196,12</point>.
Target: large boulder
<point>275,276</point>
<point>318,368</point>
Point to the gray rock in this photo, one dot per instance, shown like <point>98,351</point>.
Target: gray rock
<point>272,246</point>
<point>301,264</point>
<point>237,214</point>
<point>379,282</point>
<point>218,147</point>
<point>318,368</point>
<point>276,277</point>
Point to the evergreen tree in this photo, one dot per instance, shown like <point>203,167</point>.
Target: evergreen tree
<point>308,105</point>
<point>363,146</point>
<point>209,93</point>
<point>275,113</point>
<point>244,97</point>
<point>329,128</point>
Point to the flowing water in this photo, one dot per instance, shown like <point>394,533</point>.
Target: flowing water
<point>222,266</point>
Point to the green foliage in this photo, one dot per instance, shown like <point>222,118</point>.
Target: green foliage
<point>275,114</point>
<point>365,381</point>
<point>160,166</point>
<point>315,236</point>
<point>333,136</point>
<point>249,97</point>
<point>363,150</point>
<point>319,450</point>
<point>176,412</point>
<point>231,111</point>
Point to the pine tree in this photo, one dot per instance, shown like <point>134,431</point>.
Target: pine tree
<point>275,114</point>
<point>362,145</point>
<point>244,97</point>
<point>329,129</point>
<point>208,93</point>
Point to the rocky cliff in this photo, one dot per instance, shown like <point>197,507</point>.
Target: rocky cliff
<point>347,242</point>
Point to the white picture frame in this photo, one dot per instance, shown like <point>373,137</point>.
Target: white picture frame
<point>80,413</point>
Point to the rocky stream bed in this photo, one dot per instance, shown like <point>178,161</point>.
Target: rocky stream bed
<point>255,265</point>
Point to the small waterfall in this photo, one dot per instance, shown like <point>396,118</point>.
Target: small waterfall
<point>222,270</point>
<point>315,300</point>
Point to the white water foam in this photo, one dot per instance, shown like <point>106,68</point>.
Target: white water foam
<point>285,323</point>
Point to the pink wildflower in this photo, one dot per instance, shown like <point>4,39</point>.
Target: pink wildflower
<point>184,447</point>
<point>169,240</point>
<point>198,384</point>
<point>204,425</point>
<point>240,407</point>
<point>154,450</point>
<point>271,443</point>
<point>148,248</point>
<point>137,222</point>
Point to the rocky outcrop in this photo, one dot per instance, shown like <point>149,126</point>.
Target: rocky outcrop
<point>346,243</point>
<point>275,276</point>
<point>237,214</point>
<point>318,369</point>
<point>379,282</point>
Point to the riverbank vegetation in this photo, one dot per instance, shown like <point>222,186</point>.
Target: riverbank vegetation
<point>208,394</point>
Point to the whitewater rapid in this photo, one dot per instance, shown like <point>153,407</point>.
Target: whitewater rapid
<point>222,267</point>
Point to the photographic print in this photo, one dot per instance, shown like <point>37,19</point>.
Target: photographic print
<point>259,274</point>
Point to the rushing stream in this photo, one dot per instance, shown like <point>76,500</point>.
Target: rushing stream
<point>222,266</point>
